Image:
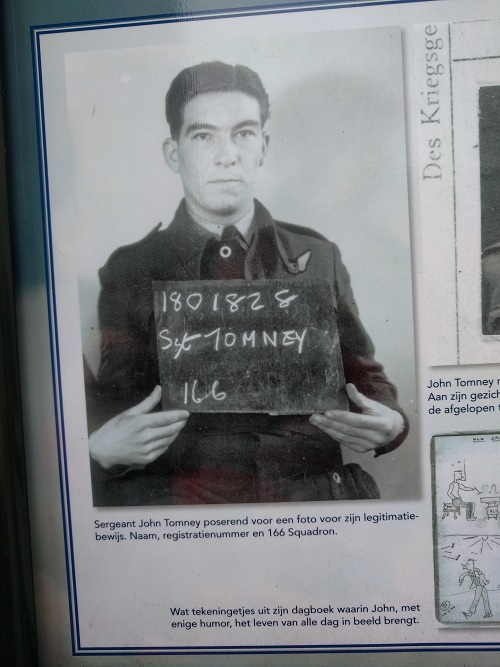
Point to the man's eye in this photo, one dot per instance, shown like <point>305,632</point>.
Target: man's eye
<point>201,136</point>
<point>246,133</point>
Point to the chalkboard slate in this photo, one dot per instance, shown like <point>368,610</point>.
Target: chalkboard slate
<point>237,346</point>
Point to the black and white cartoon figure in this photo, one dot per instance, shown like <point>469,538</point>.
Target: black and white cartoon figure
<point>454,492</point>
<point>478,584</point>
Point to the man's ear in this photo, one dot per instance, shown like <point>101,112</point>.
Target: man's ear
<point>171,154</point>
<point>265,146</point>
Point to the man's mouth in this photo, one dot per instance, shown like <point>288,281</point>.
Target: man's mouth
<point>225,181</point>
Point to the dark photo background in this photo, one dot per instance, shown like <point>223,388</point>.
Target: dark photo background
<point>489,138</point>
<point>489,145</point>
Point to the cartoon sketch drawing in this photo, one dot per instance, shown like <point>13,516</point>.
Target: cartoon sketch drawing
<point>483,541</point>
<point>456,499</point>
<point>446,607</point>
<point>492,503</point>
<point>467,549</point>
<point>478,583</point>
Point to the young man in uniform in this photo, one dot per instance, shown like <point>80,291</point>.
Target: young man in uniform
<point>217,115</point>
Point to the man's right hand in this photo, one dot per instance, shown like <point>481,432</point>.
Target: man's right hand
<point>137,436</point>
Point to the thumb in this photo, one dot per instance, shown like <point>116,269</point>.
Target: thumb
<point>147,404</point>
<point>360,400</point>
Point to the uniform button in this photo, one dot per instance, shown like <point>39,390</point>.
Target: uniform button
<point>225,252</point>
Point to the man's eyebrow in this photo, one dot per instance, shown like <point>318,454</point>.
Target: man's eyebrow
<point>197,127</point>
<point>247,123</point>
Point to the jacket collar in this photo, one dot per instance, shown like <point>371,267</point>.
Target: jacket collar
<point>269,254</point>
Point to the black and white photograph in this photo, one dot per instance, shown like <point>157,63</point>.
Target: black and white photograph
<point>254,194</point>
<point>489,146</point>
<point>458,72</point>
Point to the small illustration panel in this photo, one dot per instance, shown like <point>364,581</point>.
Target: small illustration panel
<point>466,495</point>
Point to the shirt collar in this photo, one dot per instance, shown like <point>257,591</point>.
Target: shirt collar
<point>245,226</point>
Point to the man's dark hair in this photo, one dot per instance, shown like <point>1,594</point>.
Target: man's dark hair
<point>212,77</point>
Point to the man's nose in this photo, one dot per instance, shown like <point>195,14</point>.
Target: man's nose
<point>226,151</point>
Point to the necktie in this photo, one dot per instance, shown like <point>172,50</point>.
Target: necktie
<point>224,259</point>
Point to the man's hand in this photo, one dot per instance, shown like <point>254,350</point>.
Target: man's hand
<point>376,426</point>
<point>137,436</point>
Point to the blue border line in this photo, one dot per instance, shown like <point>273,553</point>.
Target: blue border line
<point>179,17</point>
<point>345,647</point>
<point>298,652</point>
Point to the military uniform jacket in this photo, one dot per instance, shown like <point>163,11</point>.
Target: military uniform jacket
<point>227,457</point>
<point>490,282</point>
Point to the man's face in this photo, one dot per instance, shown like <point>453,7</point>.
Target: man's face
<point>220,147</point>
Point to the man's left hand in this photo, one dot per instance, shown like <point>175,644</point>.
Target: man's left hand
<point>377,424</point>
